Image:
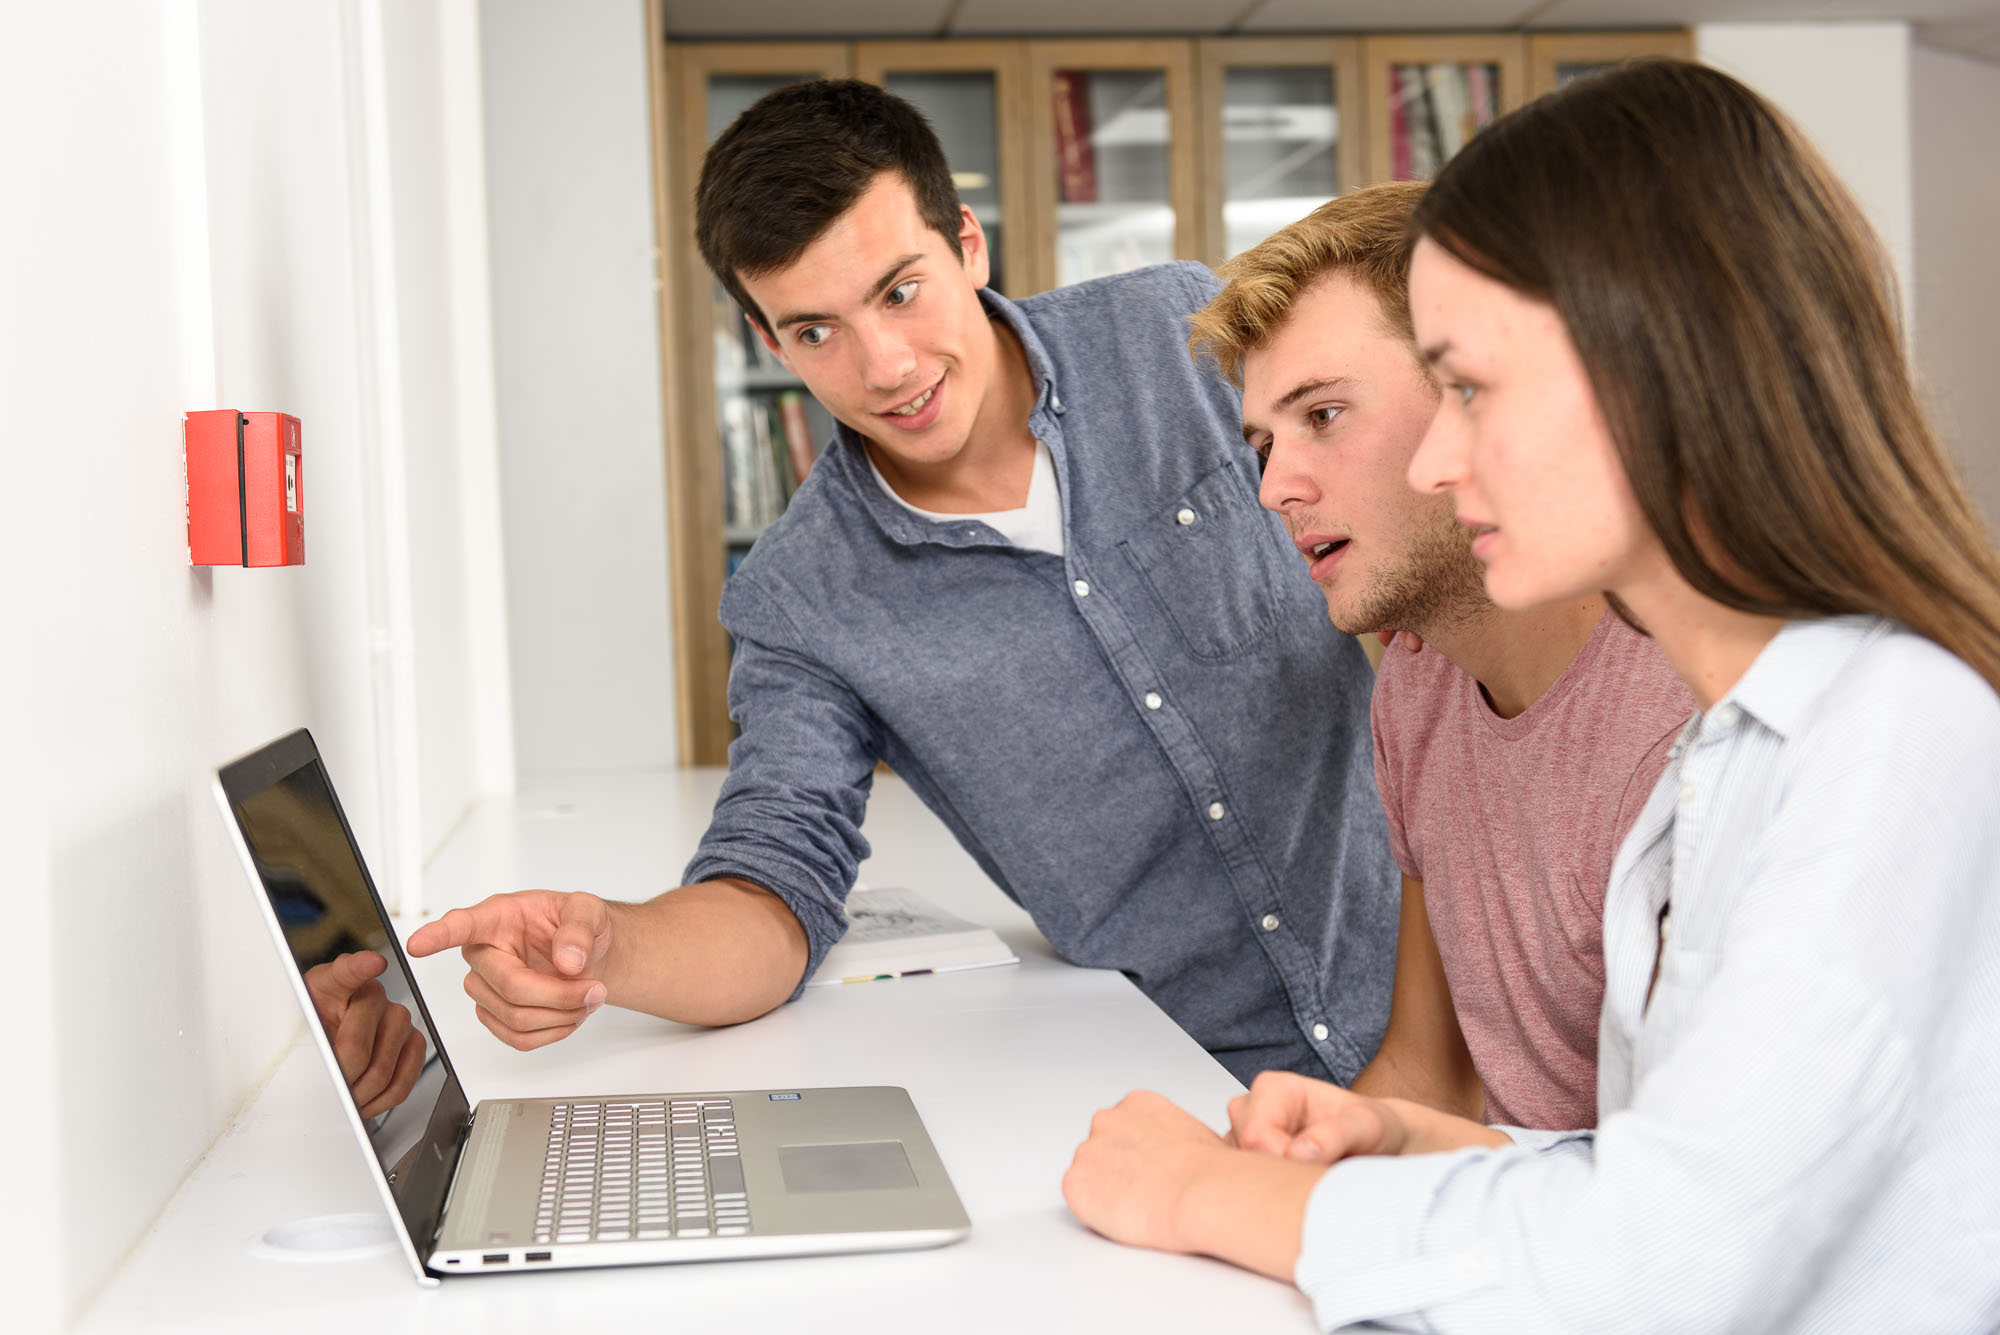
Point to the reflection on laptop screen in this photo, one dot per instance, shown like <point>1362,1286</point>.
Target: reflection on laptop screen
<point>329,914</point>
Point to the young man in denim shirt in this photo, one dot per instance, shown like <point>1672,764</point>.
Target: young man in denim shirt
<point>1030,572</point>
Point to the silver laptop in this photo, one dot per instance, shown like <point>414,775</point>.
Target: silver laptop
<point>541,1184</point>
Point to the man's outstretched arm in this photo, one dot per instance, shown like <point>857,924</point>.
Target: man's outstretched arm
<point>540,962</point>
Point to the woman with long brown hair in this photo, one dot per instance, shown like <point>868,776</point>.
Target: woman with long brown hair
<point>1673,373</point>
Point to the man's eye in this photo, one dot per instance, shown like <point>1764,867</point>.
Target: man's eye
<point>1262,449</point>
<point>902,294</point>
<point>812,335</point>
<point>1322,418</point>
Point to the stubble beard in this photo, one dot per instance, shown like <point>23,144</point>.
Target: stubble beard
<point>1438,584</point>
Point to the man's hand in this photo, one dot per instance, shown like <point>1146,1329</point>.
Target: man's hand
<point>532,957</point>
<point>379,1050</point>
<point>1311,1121</point>
<point>1129,1180</point>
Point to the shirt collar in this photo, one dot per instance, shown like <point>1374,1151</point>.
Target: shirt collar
<point>1786,681</point>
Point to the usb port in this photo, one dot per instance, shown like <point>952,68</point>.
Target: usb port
<point>537,1256</point>
<point>494,1258</point>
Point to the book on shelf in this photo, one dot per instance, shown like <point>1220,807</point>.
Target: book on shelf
<point>894,933</point>
<point>1076,160</point>
<point>1434,111</point>
<point>767,449</point>
<point>798,434</point>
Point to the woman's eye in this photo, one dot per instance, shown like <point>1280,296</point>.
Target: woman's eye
<point>902,294</point>
<point>1464,392</point>
<point>813,335</point>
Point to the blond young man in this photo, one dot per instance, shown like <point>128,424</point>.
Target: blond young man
<point>1513,750</point>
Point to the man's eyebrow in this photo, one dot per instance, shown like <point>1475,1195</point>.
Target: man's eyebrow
<point>1312,387</point>
<point>882,284</point>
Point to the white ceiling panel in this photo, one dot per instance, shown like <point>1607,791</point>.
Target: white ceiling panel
<point>1383,15</point>
<point>768,19</point>
<point>1059,17</point>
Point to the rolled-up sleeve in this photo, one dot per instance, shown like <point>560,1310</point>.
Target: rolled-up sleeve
<point>789,815</point>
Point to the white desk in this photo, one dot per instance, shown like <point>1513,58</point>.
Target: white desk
<point>1006,1066</point>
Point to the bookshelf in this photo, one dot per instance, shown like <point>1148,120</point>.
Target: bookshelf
<point>1168,149</point>
<point>707,87</point>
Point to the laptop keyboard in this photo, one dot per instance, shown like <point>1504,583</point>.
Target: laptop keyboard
<point>623,1170</point>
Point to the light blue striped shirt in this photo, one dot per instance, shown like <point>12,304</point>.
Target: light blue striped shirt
<point>1801,1131</point>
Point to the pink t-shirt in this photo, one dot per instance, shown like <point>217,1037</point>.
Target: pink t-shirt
<point>1512,824</point>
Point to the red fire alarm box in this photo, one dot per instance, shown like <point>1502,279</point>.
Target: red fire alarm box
<point>245,495</point>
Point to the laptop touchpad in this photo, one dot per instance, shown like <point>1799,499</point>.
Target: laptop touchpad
<point>867,1166</point>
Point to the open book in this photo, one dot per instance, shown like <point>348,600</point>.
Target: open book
<point>893,933</point>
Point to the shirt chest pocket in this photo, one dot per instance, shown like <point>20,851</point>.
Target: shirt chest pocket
<point>1210,562</point>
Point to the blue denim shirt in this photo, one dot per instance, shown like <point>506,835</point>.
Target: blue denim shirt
<point>1155,743</point>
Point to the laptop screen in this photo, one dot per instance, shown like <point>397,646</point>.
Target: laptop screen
<point>339,938</point>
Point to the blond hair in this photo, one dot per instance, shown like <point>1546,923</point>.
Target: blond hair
<point>1360,234</point>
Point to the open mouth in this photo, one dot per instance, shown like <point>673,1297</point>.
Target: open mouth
<point>1326,549</point>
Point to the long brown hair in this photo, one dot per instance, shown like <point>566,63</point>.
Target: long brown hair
<point>1736,317</point>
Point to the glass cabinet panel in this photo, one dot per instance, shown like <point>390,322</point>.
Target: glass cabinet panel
<point>1114,209</point>
<point>1434,109</point>
<point>1428,96</point>
<point>1557,59</point>
<point>1280,142</point>
<point>964,108</point>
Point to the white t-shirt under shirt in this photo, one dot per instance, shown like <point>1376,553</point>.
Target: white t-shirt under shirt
<point>1037,525</point>
<point>1512,825</point>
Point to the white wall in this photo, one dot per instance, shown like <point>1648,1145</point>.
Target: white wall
<point>1955,108</point>
<point>195,216</point>
<point>1847,86</point>
<point>569,174</point>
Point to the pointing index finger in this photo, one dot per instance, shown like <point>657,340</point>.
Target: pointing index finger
<point>456,929</point>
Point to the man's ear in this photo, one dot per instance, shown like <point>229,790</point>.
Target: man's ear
<point>978,259</point>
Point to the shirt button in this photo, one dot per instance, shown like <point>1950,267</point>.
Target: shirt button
<point>1082,588</point>
<point>1725,716</point>
<point>1055,400</point>
<point>1269,922</point>
<point>1319,1033</point>
<point>1215,811</point>
<point>1687,792</point>
<point>1185,517</point>
<point>1154,700</point>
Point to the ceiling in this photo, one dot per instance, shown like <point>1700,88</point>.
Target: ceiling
<point>1970,26</point>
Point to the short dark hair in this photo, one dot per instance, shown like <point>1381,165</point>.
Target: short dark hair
<point>776,179</point>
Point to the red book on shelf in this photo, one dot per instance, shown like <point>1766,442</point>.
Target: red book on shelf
<point>798,433</point>
<point>1075,159</point>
